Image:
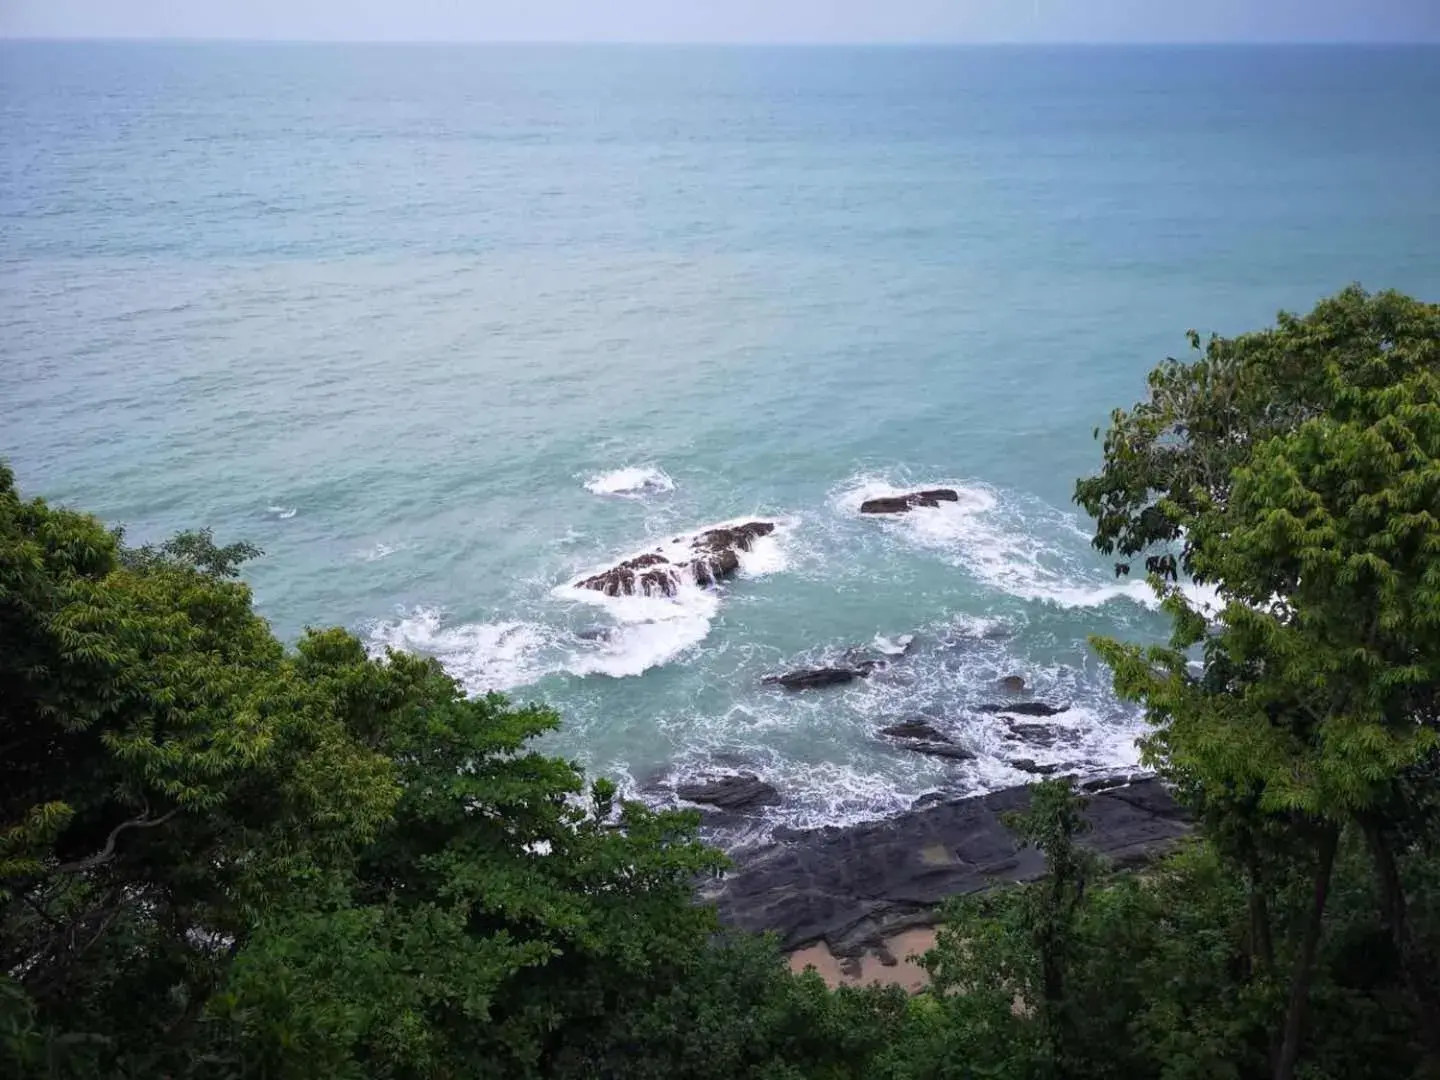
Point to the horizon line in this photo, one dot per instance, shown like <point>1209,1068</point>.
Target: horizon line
<point>898,43</point>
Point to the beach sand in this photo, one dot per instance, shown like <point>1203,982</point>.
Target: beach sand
<point>904,973</point>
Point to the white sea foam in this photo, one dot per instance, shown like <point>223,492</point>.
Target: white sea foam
<point>1016,546</point>
<point>482,656</point>
<point>284,513</point>
<point>895,646</point>
<point>378,552</point>
<point>631,482</point>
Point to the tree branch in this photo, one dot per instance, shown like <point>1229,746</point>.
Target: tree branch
<point>108,852</point>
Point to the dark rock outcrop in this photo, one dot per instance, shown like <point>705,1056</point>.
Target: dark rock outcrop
<point>945,750</point>
<point>914,729</point>
<point>901,504</point>
<point>714,556</point>
<point>850,887</point>
<point>735,794</point>
<point>1011,684</point>
<point>1024,708</point>
<point>1029,765</point>
<point>814,678</point>
<point>1036,734</point>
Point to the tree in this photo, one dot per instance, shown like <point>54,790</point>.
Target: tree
<point>1299,471</point>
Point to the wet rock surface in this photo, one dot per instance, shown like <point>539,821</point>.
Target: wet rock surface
<point>902,504</point>
<point>914,729</point>
<point>713,556</point>
<point>1024,708</point>
<point>733,794</point>
<point>851,887</point>
<point>816,678</point>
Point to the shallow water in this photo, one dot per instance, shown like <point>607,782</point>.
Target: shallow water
<point>443,329</point>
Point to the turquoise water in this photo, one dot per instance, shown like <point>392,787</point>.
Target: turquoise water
<point>388,311</point>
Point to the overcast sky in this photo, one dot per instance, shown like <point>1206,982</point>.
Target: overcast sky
<point>731,20</point>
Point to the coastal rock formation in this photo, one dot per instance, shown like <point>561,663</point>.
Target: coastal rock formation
<point>735,794</point>
<point>914,729</point>
<point>1029,765</point>
<point>1024,708</point>
<point>852,887</point>
<point>941,749</point>
<point>1011,684</point>
<point>903,504</point>
<point>1035,734</point>
<point>814,678</point>
<point>708,558</point>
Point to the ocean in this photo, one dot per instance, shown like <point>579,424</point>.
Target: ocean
<point>442,329</point>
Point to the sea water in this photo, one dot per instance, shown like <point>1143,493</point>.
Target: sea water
<point>443,329</point>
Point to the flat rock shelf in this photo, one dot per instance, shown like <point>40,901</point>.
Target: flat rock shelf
<point>853,887</point>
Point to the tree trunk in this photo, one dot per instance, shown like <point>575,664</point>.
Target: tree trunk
<point>1262,949</point>
<point>1305,962</point>
<point>1395,912</point>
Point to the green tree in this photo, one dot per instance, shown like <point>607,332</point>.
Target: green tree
<point>1295,469</point>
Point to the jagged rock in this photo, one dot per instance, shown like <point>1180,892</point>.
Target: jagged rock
<point>1024,708</point>
<point>715,557</point>
<point>814,678</point>
<point>851,887</point>
<point>594,633</point>
<point>930,798</point>
<point>902,504</point>
<point>945,750</point>
<point>1029,765</point>
<point>914,729</point>
<point>1011,684</point>
<point>736,794</point>
<point>1035,734</point>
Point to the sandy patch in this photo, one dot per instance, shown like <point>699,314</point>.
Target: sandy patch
<point>904,973</point>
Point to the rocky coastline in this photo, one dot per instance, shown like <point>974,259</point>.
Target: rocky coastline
<point>853,888</point>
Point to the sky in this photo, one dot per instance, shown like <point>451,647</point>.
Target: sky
<point>750,21</point>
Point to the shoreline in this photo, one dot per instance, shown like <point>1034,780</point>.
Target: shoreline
<point>846,900</point>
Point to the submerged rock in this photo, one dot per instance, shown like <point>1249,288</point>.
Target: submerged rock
<point>914,729</point>
<point>944,750</point>
<point>815,678</point>
<point>1036,734</point>
<point>736,794</point>
<point>1024,708</point>
<point>1011,684</point>
<point>903,504</point>
<point>1029,765</point>
<point>851,887</point>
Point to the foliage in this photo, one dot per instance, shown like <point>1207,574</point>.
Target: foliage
<point>1298,469</point>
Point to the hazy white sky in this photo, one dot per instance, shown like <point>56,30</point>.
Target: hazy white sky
<point>731,20</point>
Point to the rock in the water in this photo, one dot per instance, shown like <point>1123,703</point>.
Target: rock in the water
<point>930,798</point>
<point>1029,765</point>
<point>1036,734</point>
<point>914,729</point>
<point>814,678</point>
<point>945,750</point>
<point>901,504</point>
<point>1011,684</point>
<point>736,794</point>
<point>594,633</point>
<point>1024,708</point>
<point>851,887</point>
<point>713,556</point>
